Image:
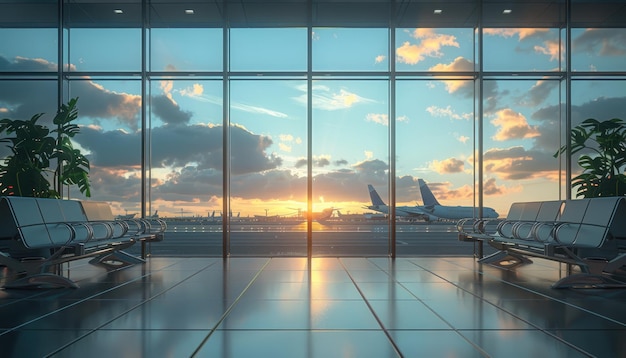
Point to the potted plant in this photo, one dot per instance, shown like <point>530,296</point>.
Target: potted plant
<point>603,159</point>
<point>34,147</point>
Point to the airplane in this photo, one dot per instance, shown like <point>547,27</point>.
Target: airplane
<point>432,210</point>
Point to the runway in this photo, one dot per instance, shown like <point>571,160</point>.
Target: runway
<point>328,240</point>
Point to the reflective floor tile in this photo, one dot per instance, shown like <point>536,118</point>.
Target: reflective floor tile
<point>37,343</point>
<point>334,314</point>
<point>284,276</point>
<point>598,343</point>
<point>134,343</point>
<point>399,314</point>
<point>370,276</point>
<point>292,344</point>
<point>384,291</point>
<point>278,290</point>
<point>287,263</point>
<point>175,313</point>
<point>326,263</point>
<point>473,313</point>
<point>420,343</point>
<point>415,276</point>
<point>323,276</point>
<point>549,314</point>
<point>335,290</point>
<point>358,263</point>
<point>90,314</point>
<point>433,290</point>
<point>300,314</point>
<point>268,314</point>
<point>521,343</point>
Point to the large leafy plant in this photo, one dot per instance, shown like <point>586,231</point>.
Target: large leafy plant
<point>603,158</point>
<point>35,148</point>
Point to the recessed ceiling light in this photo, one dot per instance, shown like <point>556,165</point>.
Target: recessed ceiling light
<point>507,11</point>
<point>189,11</point>
<point>118,11</point>
<point>438,11</point>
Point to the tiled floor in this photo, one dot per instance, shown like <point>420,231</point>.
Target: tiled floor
<point>328,307</point>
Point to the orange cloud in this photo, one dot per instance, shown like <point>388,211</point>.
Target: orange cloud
<point>513,126</point>
<point>551,48</point>
<point>430,44</point>
<point>447,166</point>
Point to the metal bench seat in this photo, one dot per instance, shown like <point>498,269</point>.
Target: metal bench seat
<point>37,235</point>
<point>575,232</point>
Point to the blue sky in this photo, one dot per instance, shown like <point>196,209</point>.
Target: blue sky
<point>435,128</point>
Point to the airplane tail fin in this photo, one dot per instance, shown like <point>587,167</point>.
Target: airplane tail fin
<point>376,200</point>
<point>427,195</point>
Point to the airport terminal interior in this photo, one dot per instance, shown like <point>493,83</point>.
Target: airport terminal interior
<point>310,161</point>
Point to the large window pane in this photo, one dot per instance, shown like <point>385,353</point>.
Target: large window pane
<point>522,126</point>
<point>522,49</point>
<point>435,143</point>
<point>432,49</point>
<point>341,49</point>
<point>22,99</point>
<point>350,151</point>
<point>186,161</point>
<point>598,99</point>
<point>268,49</point>
<point>598,50</point>
<point>186,49</point>
<point>34,50</point>
<point>109,113</point>
<point>268,143</point>
<point>104,49</point>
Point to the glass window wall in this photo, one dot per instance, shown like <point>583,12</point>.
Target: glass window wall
<point>156,88</point>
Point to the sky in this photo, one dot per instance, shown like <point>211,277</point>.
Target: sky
<point>436,131</point>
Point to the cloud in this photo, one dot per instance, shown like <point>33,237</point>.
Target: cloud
<point>196,90</point>
<point>603,42</point>
<point>203,148</point>
<point>379,118</point>
<point>380,58</point>
<point>538,93</point>
<point>95,101</point>
<point>521,33</point>
<point>490,188</point>
<point>284,147</point>
<point>448,112</point>
<point>601,108</point>
<point>375,167</point>
<point>552,48</point>
<point>550,45</point>
<point>169,111</point>
<point>518,163</point>
<point>256,109</point>
<point>513,125</point>
<point>318,162</point>
<point>23,64</point>
<point>429,45</point>
<point>459,64</point>
<point>324,99</point>
<point>447,166</point>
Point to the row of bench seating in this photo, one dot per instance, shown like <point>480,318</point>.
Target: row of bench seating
<point>37,235</point>
<point>589,233</point>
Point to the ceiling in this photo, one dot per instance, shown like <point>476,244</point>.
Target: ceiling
<point>298,13</point>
